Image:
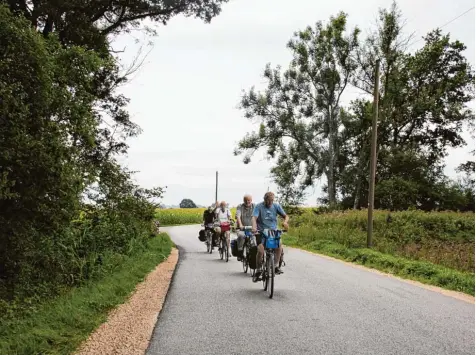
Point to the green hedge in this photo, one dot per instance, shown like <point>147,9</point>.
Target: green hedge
<point>58,326</point>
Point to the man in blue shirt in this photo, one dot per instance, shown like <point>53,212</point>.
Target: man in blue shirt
<point>265,216</point>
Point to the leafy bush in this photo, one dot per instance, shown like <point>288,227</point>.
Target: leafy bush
<point>53,151</point>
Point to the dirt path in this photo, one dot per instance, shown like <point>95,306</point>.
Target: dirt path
<point>129,327</point>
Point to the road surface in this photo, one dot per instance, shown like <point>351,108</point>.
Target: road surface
<point>320,306</point>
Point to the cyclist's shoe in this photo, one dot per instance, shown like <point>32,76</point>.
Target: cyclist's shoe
<point>239,258</point>
<point>257,276</point>
<point>278,270</point>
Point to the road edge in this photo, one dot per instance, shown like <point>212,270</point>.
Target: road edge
<point>449,293</point>
<point>116,337</point>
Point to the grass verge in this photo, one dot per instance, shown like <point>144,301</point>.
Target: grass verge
<point>59,326</point>
<point>421,271</point>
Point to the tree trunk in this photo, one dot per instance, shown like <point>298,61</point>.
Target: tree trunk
<point>331,176</point>
<point>360,167</point>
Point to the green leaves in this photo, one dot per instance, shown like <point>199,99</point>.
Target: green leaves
<point>424,100</point>
<point>301,104</point>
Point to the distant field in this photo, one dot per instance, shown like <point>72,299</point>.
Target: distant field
<point>435,247</point>
<point>177,216</point>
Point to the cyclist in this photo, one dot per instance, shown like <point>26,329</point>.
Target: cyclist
<point>265,216</point>
<point>209,218</point>
<point>223,215</point>
<point>244,213</point>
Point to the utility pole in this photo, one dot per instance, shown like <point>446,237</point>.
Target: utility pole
<point>216,188</point>
<point>373,157</point>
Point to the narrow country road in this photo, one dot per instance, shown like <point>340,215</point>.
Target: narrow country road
<point>320,306</point>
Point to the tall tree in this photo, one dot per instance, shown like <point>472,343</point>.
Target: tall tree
<point>300,109</point>
<point>423,107</point>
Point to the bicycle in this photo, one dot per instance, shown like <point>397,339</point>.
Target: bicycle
<point>223,246</point>
<point>209,237</point>
<point>271,240</point>
<point>246,248</point>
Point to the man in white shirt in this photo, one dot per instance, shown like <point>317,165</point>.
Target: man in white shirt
<point>223,215</point>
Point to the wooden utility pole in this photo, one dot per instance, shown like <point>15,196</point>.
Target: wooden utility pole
<point>373,157</point>
<point>216,188</point>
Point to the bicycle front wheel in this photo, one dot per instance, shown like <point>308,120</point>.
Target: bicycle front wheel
<point>270,268</point>
<point>222,249</point>
<point>264,273</point>
<point>245,259</point>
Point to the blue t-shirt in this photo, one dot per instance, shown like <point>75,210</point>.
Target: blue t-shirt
<point>267,218</point>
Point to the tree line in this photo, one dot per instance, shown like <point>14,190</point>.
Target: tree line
<point>65,201</point>
<point>423,108</point>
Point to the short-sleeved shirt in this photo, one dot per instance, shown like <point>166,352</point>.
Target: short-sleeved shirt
<point>267,218</point>
<point>223,216</point>
<point>245,213</point>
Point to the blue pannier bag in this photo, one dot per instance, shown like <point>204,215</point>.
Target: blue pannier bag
<point>271,239</point>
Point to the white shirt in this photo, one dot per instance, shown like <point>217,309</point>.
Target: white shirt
<point>223,216</point>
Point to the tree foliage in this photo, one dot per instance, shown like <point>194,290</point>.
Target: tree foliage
<point>187,203</point>
<point>305,127</point>
<point>300,109</point>
<point>64,198</point>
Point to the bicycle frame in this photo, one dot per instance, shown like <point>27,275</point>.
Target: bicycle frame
<point>271,240</point>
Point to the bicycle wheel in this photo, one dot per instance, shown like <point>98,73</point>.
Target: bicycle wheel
<point>222,249</point>
<point>210,240</point>
<point>264,273</point>
<point>227,252</point>
<point>209,246</point>
<point>245,259</point>
<point>270,268</point>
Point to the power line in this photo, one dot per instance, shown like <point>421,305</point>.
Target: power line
<point>446,24</point>
<point>464,13</point>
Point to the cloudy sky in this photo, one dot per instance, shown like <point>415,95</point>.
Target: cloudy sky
<point>185,95</point>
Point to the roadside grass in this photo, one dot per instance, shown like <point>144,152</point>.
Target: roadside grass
<point>403,266</point>
<point>60,325</point>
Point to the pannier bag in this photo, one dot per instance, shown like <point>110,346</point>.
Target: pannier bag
<point>201,235</point>
<point>234,247</point>
<point>252,257</point>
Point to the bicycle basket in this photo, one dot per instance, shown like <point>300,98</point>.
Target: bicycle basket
<point>225,227</point>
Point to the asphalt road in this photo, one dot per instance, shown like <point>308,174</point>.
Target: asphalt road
<point>320,306</point>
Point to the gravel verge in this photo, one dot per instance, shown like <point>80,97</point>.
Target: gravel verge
<point>129,327</point>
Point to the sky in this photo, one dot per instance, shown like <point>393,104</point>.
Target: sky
<point>186,93</point>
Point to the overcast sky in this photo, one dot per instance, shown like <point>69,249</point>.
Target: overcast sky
<point>185,96</point>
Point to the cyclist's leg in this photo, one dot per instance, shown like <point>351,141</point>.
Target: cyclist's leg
<point>277,257</point>
<point>259,258</point>
<point>240,239</point>
<point>228,241</point>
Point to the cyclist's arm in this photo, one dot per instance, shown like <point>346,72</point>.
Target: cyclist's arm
<point>254,218</point>
<point>283,215</point>
<point>253,223</point>
<point>238,217</point>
